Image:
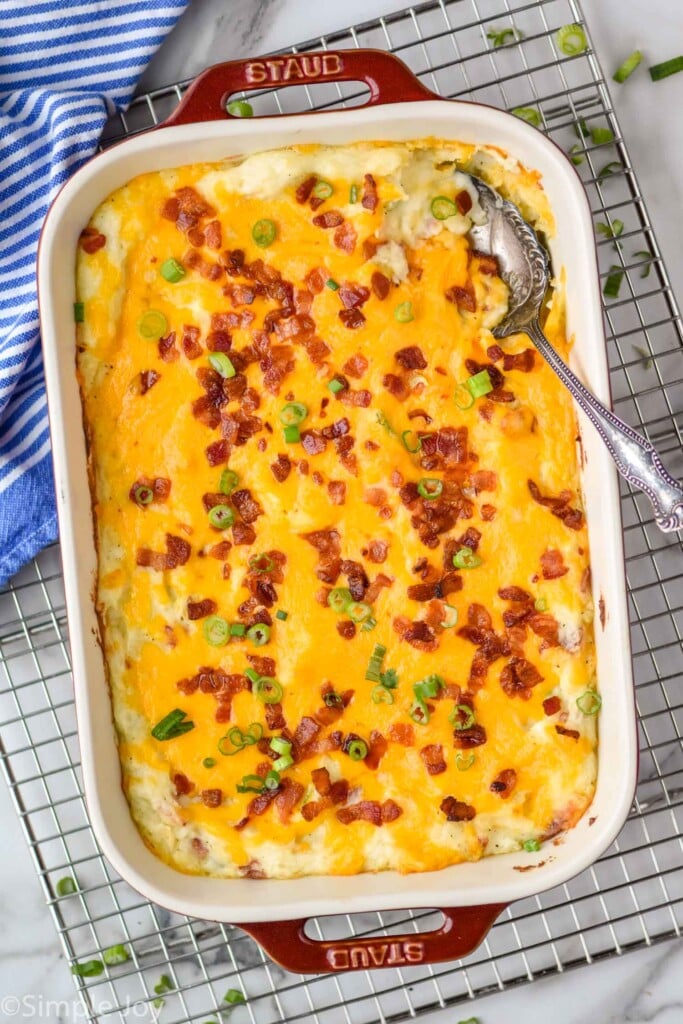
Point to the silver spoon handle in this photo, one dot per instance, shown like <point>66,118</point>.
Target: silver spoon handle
<point>635,458</point>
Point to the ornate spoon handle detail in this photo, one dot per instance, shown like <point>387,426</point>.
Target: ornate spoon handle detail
<point>635,458</point>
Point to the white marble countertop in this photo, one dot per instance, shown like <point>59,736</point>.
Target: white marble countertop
<point>640,987</point>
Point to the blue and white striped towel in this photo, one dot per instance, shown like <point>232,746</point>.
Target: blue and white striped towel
<point>65,66</point>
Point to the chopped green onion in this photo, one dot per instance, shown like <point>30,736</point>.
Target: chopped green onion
<point>576,154</point>
<point>380,695</point>
<point>571,40</point>
<point>339,599</point>
<point>115,955</point>
<point>222,365</point>
<point>581,129</point>
<point>368,625</point>
<point>463,398</point>
<point>280,745</point>
<point>375,664</point>
<point>251,784</point>
<point>251,673</point>
<point>240,108</point>
<point>462,763</point>
<point>531,845</point>
<point>353,194</point>
<point>384,422</point>
<point>419,712</point>
<point>429,488</point>
<point>499,36</point>
<point>221,517</point>
<point>612,230</point>
<point>237,629</point>
<point>281,615</point>
<point>259,634</point>
<point>264,232</point>
<point>450,617</point>
<point>172,725</point>
<point>645,357</point>
<point>466,558</point>
<point>88,969</point>
<point>442,208</point>
<point>216,630</point>
<point>272,779</point>
<point>79,312</point>
<point>359,611</point>
<point>389,678</point>
<point>613,283</point>
<point>628,67</point>
<point>322,189</point>
<point>233,995</point>
<point>335,386</point>
<point>143,495</point>
<point>267,690</point>
<point>645,254</point>
<point>428,687</point>
<point>601,136</point>
<point>332,700</point>
<point>235,739</point>
<point>611,168</point>
<point>261,563</point>
<point>479,384</point>
<point>529,114</point>
<point>412,446</point>
<point>228,481</point>
<point>462,717</point>
<point>332,284</point>
<point>589,703</point>
<point>357,750</point>
<point>158,1003</point>
<point>292,414</point>
<point>404,313</point>
<point>283,763</point>
<point>540,604</point>
<point>66,886</point>
<point>172,270</point>
<point>292,435</point>
<point>152,325</point>
<point>666,68</point>
<point>209,762</point>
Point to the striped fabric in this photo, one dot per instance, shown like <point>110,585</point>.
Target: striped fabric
<point>65,66</point>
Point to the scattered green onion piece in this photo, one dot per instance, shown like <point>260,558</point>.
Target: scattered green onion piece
<point>353,194</point>
<point>470,1020</point>
<point>172,271</point>
<point>221,516</point>
<point>419,712</point>
<point>368,625</point>
<point>601,136</point>
<point>357,750</point>
<point>79,312</point>
<point>143,495</point>
<point>252,675</point>
<point>233,995</point>
<point>479,384</point>
<point>463,398</point>
<point>172,725</point>
<point>115,955</point>
<point>456,717</point>
<point>359,611</point>
<point>450,617</point>
<point>428,687</point>
<point>462,763</point>
<point>442,208</point>
<point>613,283</point>
<point>589,703</point>
<point>531,845</point>
<point>251,784</point>
<point>412,446</point>
<point>528,114</point>
<point>283,763</point>
<point>237,629</point>
<point>375,664</point>
<point>259,634</point>
<point>576,154</point>
<point>281,615</point>
<point>88,969</point>
<point>389,678</point>
<point>429,488</point>
<point>339,599</point>
<point>280,745</point>
<point>222,365</point>
<point>264,232</point>
<point>267,690</point>
<point>466,558</point>
<point>380,695</point>
<point>292,435</point>
<point>332,284</point>
<point>581,129</point>
<point>271,780</point>
<point>540,604</point>
<point>404,313</point>
<point>645,357</point>
<point>209,762</point>
<point>335,386</point>
<point>66,886</point>
<point>612,230</point>
<point>499,36</point>
<point>628,67</point>
<point>611,168</point>
<point>240,108</point>
<point>261,563</point>
<point>384,422</point>
<point>332,700</point>
<point>322,189</point>
<point>571,39</point>
<point>216,630</point>
<point>644,254</point>
<point>152,325</point>
<point>292,414</point>
<point>228,481</point>
<point>666,68</point>
<point>254,732</point>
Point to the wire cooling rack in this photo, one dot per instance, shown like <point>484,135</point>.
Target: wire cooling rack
<point>634,895</point>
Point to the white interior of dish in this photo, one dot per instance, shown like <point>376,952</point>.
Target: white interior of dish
<point>494,879</point>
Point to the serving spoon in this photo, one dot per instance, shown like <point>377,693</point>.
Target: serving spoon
<point>525,269</point>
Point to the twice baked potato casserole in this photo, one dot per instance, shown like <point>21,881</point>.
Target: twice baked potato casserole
<point>343,586</point>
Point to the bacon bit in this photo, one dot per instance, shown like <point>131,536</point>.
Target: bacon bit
<point>371,811</point>
<point>247,506</point>
<point>346,629</point>
<point>559,506</point>
<point>377,551</point>
<point>260,804</point>
<point>449,443</point>
<point>233,261</point>
<point>390,811</point>
<point>264,666</point>
<point>200,609</point>
<point>523,361</point>
<point>469,539</point>
<point>337,429</point>
<point>484,480</point>
<point>304,189</point>
<point>376,751</point>
<point>518,677</point>
<point>375,496</point>
<point>296,325</point>
<point>571,733</point>
<point>420,414</point>
<point>217,453</point>
<point>402,734</point>
<point>190,342</point>
<point>315,280</point>
<point>213,235</point>
<point>281,468</point>
<point>312,809</point>
<point>552,564</point>
<point>160,486</point>
<point>274,717</point>
<point>208,270</point>
<point>303,300</point>
<point>487,264</point>
<point>148,379</point>
<point>380,285</point>
<point>220,550</point>
<point>195,237</point>
<point>351,318</point>
<point>547,627</point>
<point>495,353</point>
<point>188,686</point>
<point>378,584</point>
<point>357,578</point>
<point>345,237</point>
<point>488,513</point>
<point>433,758</point>
<point>463,298</point>
<point>421,636</point>
<point>463,201</point>
<point>170,209</point>
<point>357,399</point>
<point>370,198</point>
<point>189,206</point>
<point>337,491</point>
<point>177,553</point>
<point>328,219</point>
<point>356,366</point>
<point>243,534</point>
<point>182,784</point>
<point>396,386</point>
<point>167,350</point>
<point>552,705</point>
<point>456,810</point>
<point>212,797</point>
<point>321,780</point>
<point>504,783</point>
<point>253,869</point>
<point>288,797</point>
<point>465,739</point>
<point>411,358</point>
<point>353,295</point>
<point>219,341</point>
<point>313,442</point>
<point>91,240</point>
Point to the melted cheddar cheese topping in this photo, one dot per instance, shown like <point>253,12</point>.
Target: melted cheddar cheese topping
<point>363,286</point>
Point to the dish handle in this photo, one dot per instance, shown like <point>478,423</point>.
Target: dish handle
<point>287,944</point>
<point>387,77</point>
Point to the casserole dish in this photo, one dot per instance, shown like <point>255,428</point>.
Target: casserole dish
<point>480,890</point>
